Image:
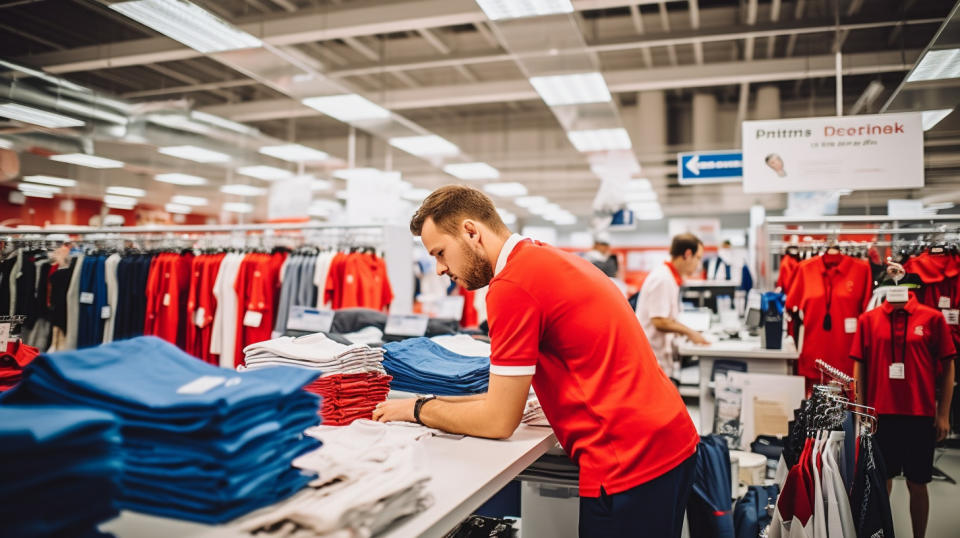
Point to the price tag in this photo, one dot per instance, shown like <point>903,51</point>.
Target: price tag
<point>253,318</point>
<point>944,302</point>
<point>4,336</point>
<point>200,317</point>
<point>898,295</point>
<point>305,318</point>
<point>105,312</point>
<point>850,325</point>
<point>406,325</point>
<point>201,384</point>
<point>952,316</point>
<point>86,297</point>
<point>896,370</point>
<point>166,299</point>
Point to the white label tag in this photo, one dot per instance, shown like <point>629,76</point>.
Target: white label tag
<point>252,318</point>
<point>944,302</point>
<point>898,295</point>
<point>86,297</point>
<point>406,325</point>
<point>201,384</point>
<point>896,370</point>
<point>166,299</point>
<point>105,312</point>
<point>4,336</point>
<point>850,325</point>
<point>952,316</point>
<point>200,317</point>
<point>305,318</point>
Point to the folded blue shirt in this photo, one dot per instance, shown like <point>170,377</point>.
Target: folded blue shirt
<point>422,365</point>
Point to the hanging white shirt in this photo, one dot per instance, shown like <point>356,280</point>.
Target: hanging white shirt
<point>224,329</point>
<point>659,298</point>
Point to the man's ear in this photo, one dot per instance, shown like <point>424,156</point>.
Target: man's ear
<point>471,229</point>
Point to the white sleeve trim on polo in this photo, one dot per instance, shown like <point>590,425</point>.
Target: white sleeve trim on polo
<point>513,370</point>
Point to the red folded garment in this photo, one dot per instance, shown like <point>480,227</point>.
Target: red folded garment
<point>349,397</point>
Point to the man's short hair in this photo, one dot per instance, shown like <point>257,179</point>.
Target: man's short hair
<point>682,243</point>
<point>449,205</point>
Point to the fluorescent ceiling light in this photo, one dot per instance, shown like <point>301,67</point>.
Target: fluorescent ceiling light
<point>574,89</point>
<point>649,215</point>
<point>931,118</point>
<point>37,194</point>
<point>243,190</point>
<point>936,65</point>
<point>35,116</point>
<point>43,76</point>
<point>512,9</point>
<point>50,180</point>
<point>178,208</point>
<point>238,207</point>
<point>189,200</point>
<point>194,153</point>
<point>600,139</point>
<point>530,202</point>
<point>545,209</point>
<point>119,202</point>
<point>425,146</point>
<point>266,173</point>
<point>180,179</point>
<point>939,206</point>
<point>187,23</point>
<point>91,161</point>
<point>507,217</point>
<point>127,191</point>
<point>472,171</point>
<point>357,173</point>
<point>347,107</point>
<point>33,187</point>
<point>505,190</point>
<point>321,185</point>
<point>564,220</point>
<point>415,195</point>
<point>295,153</point>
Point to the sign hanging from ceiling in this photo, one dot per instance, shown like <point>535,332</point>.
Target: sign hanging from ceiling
<point>697,167</point>
<point>883,151</point>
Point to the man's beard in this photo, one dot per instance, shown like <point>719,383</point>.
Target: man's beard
<point>478,272</point>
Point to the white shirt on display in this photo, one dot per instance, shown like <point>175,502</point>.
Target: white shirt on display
<point>659,298</point>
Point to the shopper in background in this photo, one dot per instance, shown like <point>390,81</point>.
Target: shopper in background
<point>558,323</point>
<point>658,305</point>
<point>601,256</point>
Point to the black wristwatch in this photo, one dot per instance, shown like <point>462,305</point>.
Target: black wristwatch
<point>419,405</point>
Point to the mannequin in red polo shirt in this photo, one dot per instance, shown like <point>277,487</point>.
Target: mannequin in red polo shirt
<point>558,322</point>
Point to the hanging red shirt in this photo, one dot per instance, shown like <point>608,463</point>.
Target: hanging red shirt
<point>788,270</point>
<point>941,290</point>
<point>831,291</point>
<point>916,336</point>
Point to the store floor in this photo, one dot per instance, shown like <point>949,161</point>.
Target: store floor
<point>944,500</point>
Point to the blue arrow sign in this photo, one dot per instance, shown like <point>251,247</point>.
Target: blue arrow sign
<point>710,167</point>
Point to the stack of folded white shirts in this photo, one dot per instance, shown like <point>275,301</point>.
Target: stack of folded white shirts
<point>464,344</point>
<point>367,335</point>
<point>533,413</point>
<point>314,351</point>
<point>369,475</point>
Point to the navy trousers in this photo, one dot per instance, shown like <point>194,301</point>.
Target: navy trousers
<point>653,509</point>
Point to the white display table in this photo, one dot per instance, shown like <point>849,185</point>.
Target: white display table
<point>465,473</point>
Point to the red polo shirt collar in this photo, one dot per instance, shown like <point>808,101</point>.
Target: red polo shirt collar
<point>676,275</point>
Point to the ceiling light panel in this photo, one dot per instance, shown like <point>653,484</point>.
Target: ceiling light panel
<point>347,107</point>
<point>37,194</point>
<point>50,180</point>
<point>266,173</point>
<point>931,118</point>
<point>196,154</point>
<point>425,146</point>
<point>529,202</point>
<point>238,207</point>
<point>507,217</point>
<point>126,191</point>
<point>187,23</point>
<point>357,173</point>
<point>178,208</point>
<point>566,219</point>
<point>514,9</point>
<point>472,171</point>
<point>243,190</point>
<point>189,200</point>
<point>90,161</point>
<point>180,179</point>
<point>33,187</point>
<point>415,195</point>
<point>936,65</point>
<point>556,90</point>
<point>600,139</point>
<point>119,202</point>
<point>35,116</point>
<point>506,190</point>
<point>295,153</point>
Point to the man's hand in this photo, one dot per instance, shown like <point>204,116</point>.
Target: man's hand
<point>942,426</point>
<point>698,339</point>
<point>391,410</point>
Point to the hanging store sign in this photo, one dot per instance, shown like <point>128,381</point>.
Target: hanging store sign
<point>883,151</point>
<point>697,167</point>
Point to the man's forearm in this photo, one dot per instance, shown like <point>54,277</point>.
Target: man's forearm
<point>671,325</point>
<point>461,399</point>
<point>467,417</point>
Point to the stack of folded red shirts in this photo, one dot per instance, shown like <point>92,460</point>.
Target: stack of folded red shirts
<point>348,397</point>
<point>12,362</point>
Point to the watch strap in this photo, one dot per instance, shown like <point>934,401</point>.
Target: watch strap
<point>419,405</point>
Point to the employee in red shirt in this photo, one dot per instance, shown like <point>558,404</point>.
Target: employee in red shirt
<point>558,322</point>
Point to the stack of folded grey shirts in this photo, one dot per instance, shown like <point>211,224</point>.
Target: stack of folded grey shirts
<point>314,351</point>
<point>533,414</point>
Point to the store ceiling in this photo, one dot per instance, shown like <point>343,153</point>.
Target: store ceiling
<point>442,67</point>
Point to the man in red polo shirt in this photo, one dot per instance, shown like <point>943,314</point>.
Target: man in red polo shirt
<point>558,322</point>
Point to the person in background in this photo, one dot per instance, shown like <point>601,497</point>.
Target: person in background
<point>658,305</point>
<point>601,256</point>
<point>558,323</point>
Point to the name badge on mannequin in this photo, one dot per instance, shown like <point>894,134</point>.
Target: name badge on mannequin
<point>896,370</point>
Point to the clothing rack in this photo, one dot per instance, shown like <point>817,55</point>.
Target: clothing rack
<point>833,372</point>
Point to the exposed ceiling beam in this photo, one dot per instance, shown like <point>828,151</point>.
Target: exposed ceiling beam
<point>486,33</point>
<point>637,18</point>
<point>854,8</point>
<point>775,6</point>
<point>172,90</point>
<point>798,11</point>
<point>466,72</point>
<point>665,24</point>
<point>434,41</point>
<point>690,76</point>
<point>286,4</point>
<point>361,47</point>
<point>695,24</point>
<point>751,20</point>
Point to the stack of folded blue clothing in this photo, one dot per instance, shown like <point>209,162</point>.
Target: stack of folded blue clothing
<point>60,469</point>
<point>199,442</point>
<point>421,365</point>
